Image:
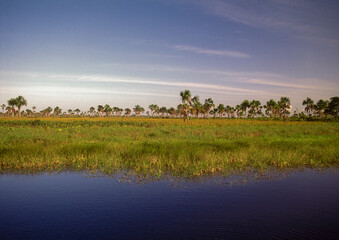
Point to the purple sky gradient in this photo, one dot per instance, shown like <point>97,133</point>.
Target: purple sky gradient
<point>78,54</point>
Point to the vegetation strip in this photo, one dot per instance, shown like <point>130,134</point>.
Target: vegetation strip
<point>192,107</point>
<point>159,147</point>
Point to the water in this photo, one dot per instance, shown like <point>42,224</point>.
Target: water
<point>303,205</point>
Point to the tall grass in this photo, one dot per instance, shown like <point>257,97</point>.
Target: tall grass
<point>158,147</point>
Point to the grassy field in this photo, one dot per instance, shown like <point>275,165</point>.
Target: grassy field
<point>160,147</point>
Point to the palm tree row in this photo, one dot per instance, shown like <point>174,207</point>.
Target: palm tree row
<point>190,107</point>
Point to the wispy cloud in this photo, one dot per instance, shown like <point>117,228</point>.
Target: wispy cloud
<point>305,19</point>
<point>61,91</point>
<point>102,78</point>
<point>110,79</point>
<point>301,84</point>
<point>242,83</point>
<point>278,84</point>
<point>262,86</point>
<point>256,79</point>
<point>322,40</point>
<point>169,68</point>
<point>212,52</point>
<point>267,13</point>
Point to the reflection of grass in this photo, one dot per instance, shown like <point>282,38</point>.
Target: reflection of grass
<point>156,147</point>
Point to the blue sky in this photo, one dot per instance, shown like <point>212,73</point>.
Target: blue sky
<point>77,54</point>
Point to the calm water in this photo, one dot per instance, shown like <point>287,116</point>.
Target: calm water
<point>303,205</point>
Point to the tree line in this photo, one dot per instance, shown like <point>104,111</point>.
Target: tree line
<point>190,107</point>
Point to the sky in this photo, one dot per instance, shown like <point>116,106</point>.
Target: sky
<point>80,53</point>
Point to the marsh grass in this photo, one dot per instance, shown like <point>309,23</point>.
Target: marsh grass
<point>159,147</point>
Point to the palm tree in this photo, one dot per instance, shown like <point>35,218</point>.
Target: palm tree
<point>77,111</point>
<point>197,106</point>
<point>171,111</point>
<point>333,107</point>
<point>156,111</point>
<point>153,108</point>
<point>107,110</point>
<point>232,111</point>
<point>321,106</point>
<point>254,107</point>
<point>228,110</point>
<point>48,111</point>
<point>3,106</point>
<point>214,112</point>
<point>186,97</point>
<point>142,110</point>
<point>207,106</point>
<point>12,103</point>
<point>163,111</point>
<point>259,112</point>
<point>33,108</point>
<point>127,111</point>
<point>57,111</point>
<point>284,105</point>
<point>186,103</point>
<point>9,110</point>
<point>20,101</point>
<point>116,110</point>
<point>309,105</point>
<point>180,110</point>
<point>91,110</point>
<point>70,111</point>
<point>221,109</point>
<point>29,112</point>
<point>100,110</point>
<point>244,105</point>
<point>237,109</point>
<point>271,106</point>
<point>138,110</point>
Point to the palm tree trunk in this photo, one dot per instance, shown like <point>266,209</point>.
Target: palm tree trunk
<point>186,118</point>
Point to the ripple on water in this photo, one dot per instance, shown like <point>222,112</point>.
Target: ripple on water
<point>297,205</point>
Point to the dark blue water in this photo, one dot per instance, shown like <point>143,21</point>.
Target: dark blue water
<point>303,205</point>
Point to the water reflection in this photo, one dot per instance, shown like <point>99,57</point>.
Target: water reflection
<point>75,206</point>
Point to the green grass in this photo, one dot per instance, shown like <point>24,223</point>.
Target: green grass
<point>160,147</point>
